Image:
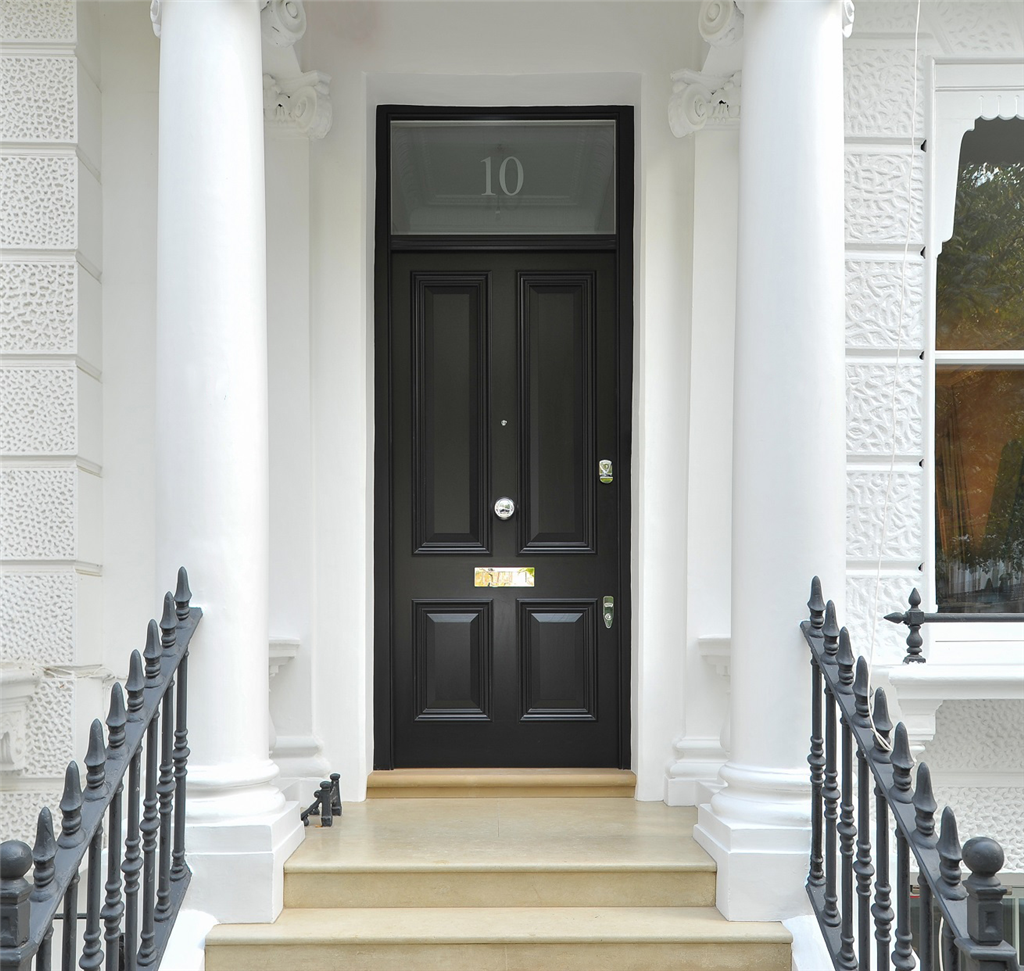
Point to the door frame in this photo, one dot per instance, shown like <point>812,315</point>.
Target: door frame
<point>621,243</point>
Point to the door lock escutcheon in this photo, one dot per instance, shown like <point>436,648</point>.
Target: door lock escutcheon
<point>604,471</point>
<point>609,611</point>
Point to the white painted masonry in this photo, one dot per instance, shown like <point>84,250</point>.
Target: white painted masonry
<point>266,265</point>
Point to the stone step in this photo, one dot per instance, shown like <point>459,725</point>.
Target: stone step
<point>500,939</point>
<point>502,853</point>
<point>499,783</point>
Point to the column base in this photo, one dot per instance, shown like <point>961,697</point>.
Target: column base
<point>693,778</point>
<point>761,868</point>
<point>238,865</point>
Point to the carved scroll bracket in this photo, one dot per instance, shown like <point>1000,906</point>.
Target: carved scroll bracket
<point>720,22</point>
<point>702,100</point>
<point>300,105</point>
<point>18,684</point>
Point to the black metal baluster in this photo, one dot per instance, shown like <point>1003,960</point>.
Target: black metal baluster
<point>92,953</point>
<point>165,787</point>
<point>335,793</point>
<point>150,824</point>
<point>70,836</point>
<point>182,596</point>
<point>132,865</point>
<point>113,905</point>
<point>881,910</point>
<point>847,830</point>
<point>816,760</point>
<point>830,794</point>
<point>903,952</point>
<point>43,853</point>
<point>862,866</point>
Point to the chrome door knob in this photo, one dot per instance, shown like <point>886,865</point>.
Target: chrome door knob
<point>504,508</point>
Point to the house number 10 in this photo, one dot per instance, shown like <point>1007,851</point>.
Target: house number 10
<point>502,176</point>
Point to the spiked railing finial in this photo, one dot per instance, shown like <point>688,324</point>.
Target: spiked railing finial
<point>95,762</point>
<point>830,632</point>
<point>43,852</point>
<point>116,718</point>
<point>924,806</point>
<point>844,657</point>
<point>182,595</point>
<point>860,690</point>
<point>816,605</point>
<point>136,685</point>
<point>168,624</point>
<point>71,808</point>
<point>152,652</point>
<point>902,763</point>
<point>882,723</point>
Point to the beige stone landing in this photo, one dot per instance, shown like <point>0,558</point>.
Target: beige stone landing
<point>495,783</point>
<point>503,884</point>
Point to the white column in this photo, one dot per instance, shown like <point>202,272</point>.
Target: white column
<point>213,474</point>
<point>788,452</point>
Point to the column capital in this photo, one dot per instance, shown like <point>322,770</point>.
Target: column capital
<point>702,100</point>
<point>300,105</point>
<point>720,22</point>
<point>283,22</point>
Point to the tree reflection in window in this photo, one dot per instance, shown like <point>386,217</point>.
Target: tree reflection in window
<point>979,405</point>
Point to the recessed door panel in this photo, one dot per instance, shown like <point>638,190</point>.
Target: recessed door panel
<point>450,377</point>
<point>557,411</point>
<point>452,659</point>
<point>558,660</point>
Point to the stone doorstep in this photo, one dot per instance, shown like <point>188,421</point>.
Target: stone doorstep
<point>562,884</point>
<point>500,939</point>
<point>500,783</point>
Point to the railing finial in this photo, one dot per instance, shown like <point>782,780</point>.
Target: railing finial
<point>136,685</point>
<point>902,763</point>
<point>71,808</point>
<point>43,852</point>
<point>844,658</point>
<point>152,652</point>
<point>117,717</point>
<point>830,631</point>
<point>95,762</point>
<point>883,725</point>
<point>861,687</point>
<point>924,806</point>
<point>949,857</point>
<point>816,605</point>
<point>182,595</point>
<point>168,624</point>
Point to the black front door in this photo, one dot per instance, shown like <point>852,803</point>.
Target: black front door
<point>505,385</point>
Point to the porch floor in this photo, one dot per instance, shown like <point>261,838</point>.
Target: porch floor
<point>503,883</point>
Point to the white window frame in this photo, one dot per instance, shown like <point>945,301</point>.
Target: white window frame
<point>961,92</point>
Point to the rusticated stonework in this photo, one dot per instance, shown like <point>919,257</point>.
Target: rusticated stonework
<point>995,812</point>
<point>882,192</point>
<point>37,514</point>
<point>38,94</point>
<point>874,407</point>
<point>49,724</point>
<point>865,502</point>
<point>979,735</point>
<point>39,193</point>
<point>37,617</point>
<point>37,20</point>
<point>37,308</point>
<point>884,17</point>
<point>39,407</point>
<point>875,296</point>
<point>20,810</point>
<point>863,610</point>
<point>973,28</point>
<point>879,84</point>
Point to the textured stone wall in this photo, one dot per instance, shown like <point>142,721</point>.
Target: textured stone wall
<point>887,305</point>
<point>50,505</point>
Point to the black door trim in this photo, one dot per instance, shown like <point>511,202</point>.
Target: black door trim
<point>384,245</point>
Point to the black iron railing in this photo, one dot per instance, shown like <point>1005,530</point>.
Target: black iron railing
<point>915,617</point>
<point>326,802</point>
<point>963,922</point>
<point>121,930</point>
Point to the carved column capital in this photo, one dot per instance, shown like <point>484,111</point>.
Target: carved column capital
<point>848,15</point>
<point>299,105</point>
<point>720,22</point>
<point>703,100</point>
<point>283,21</point>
